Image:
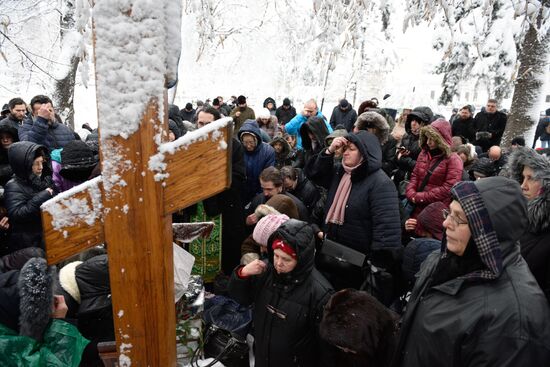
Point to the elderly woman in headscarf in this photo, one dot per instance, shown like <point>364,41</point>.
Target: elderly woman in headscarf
<point>475,303</point>
<point>532,170</point>
<point>361,211</point>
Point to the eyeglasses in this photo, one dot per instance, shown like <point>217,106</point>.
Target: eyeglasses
<point>456,220</point>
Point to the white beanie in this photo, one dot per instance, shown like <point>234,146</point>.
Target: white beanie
<point>67,280</point>
<point>267,226</point>
<point>263,113</point>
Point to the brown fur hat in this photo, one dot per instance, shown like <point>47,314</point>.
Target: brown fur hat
<point>356,321</point>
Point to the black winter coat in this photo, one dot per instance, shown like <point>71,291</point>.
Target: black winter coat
<point>465,128</point>
<point>306,191</point>
<point>346,118</point>
<point>472,319</point>
<point>285,115</point>
<point>389,153</point>
<point>492,123</point>
<point>7,127</point>
<point>406,164</point>
<point>371,221</point>
<point>39,131</point>
<point>287,307</point>
<point>24,194</point>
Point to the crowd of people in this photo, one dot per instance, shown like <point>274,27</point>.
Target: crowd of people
<point>363,238</point>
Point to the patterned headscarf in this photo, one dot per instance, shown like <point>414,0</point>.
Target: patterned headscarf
<point>483,233</point>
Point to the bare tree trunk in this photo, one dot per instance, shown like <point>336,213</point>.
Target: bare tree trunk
<point>63,94</point>
<point>533,65</point>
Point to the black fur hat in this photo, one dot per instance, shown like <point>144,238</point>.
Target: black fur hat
<point>36,297</point>
<point>354,320</point>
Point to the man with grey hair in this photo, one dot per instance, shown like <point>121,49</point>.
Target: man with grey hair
<point>294,125</point>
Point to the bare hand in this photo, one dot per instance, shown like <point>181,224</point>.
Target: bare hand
<point>4,224</point>
<point>320,235</point>
<point>410,225</point>
<point>59,309</point>
<point>238,114</point>
<point>337,143</point>
<point>251,219</point>
<point>46,112</point>
<point>50,190</point>
<point>254,268</point>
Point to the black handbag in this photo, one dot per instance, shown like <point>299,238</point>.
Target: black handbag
<point>226,325</point>
<point>379,283</point>
<point>338,259</point>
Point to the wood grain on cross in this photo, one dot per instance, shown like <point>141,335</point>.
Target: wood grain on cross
<point>129,208</point>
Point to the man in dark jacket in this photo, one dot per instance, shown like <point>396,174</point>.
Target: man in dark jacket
<point>43,128</point>
<point>489,126</point>
<point>343,114</point>
<point>18,112</point>
<point>241,113</point>
<point>543,131</point>
<point>288,304</point>
<point>228,203</point>
<point>313,133</point>
<point>285,113</point>
<point>296,183</point>
<point>476,303</point>
<point>464,124</point>
<point>8,136</point>
<point>188,113</point>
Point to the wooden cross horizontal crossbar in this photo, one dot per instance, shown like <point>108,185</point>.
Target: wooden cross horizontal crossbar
<point>73,220</point>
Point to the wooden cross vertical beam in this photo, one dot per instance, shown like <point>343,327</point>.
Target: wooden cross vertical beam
<point>139,239</point>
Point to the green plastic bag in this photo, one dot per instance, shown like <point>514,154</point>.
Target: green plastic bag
<point>62,346</point>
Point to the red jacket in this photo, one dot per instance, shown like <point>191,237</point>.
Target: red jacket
<point>445,175</point>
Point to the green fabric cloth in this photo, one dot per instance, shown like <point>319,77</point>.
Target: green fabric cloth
<point>207,251</point>
<point>62,346</point>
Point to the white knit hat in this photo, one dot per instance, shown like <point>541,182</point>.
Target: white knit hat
<point>267,226</point>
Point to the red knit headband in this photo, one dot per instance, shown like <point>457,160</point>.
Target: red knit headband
<point>285,247</point>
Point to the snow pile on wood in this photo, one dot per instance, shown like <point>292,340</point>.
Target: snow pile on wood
<point>157,163</point>
<point>67,210</point>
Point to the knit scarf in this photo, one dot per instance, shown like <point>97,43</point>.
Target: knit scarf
<point>338,208</point>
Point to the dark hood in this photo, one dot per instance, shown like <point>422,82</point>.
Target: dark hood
<point>21,156</point>
<point>269,99</point>
<point>316,125</point>
<point>6,127</point>
<point>299,235</point>
<point>539,208</point>
<point>251,126</point>
<point>370,149</point>
<point>497,214</point>
<point>424,113</point>
<point>286,146</point>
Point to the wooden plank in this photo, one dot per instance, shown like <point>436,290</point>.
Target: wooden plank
<point>139,243</point>
<point>194,172</point>
<point>72,221</point>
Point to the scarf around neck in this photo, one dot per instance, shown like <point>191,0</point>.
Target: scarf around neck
<point>338,207</point>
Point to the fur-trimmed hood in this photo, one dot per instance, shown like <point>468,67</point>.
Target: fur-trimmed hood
<point>538,209</point>
<point>440,132</point>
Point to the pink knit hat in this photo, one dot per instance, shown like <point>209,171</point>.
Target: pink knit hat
<point>267,226</point>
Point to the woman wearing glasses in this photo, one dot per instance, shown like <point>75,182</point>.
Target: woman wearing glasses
<point>288,296</point>
<point>476,303</point>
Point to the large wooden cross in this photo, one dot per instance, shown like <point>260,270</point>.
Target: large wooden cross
<point>144,178</point>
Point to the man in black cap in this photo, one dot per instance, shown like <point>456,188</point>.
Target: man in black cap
<point>286,112</point>
<point>241,113</point>
<point>343,114</point>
